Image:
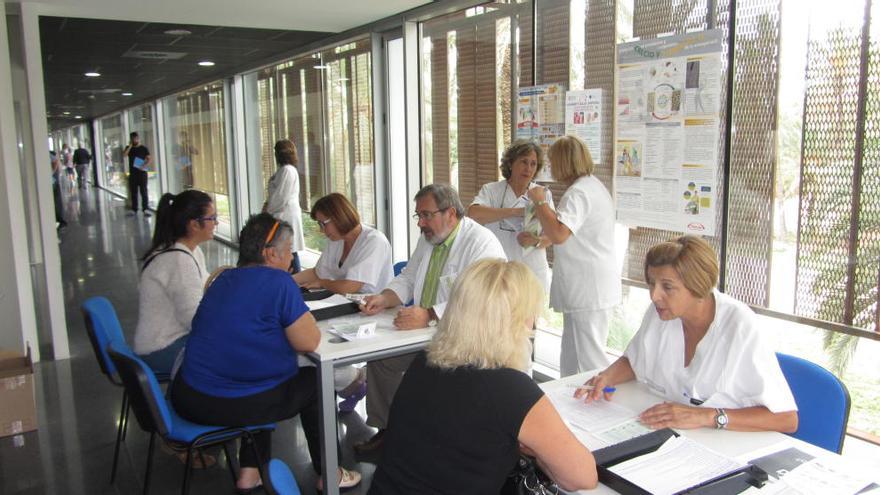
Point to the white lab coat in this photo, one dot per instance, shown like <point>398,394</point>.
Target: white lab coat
<point>499,195</point>
<point>586,275</point>
<point>472,243</point>
<point>282,202</point>
<point>369,261</point>
<point>731,368</point>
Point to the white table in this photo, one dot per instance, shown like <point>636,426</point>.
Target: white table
<point>334,352</point>
<point>740,445</point>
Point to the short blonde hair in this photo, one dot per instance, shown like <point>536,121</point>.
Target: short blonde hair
<point>484,325</point>
<point>692,258</point>
<point>570,159</point>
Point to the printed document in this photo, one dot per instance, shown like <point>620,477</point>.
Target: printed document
<point>678,464</point>
<point>607,422</point>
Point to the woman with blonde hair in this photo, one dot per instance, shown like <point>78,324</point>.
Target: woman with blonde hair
<point>586,279</point>
<point>468,399</point>
<point>700,350</point>
<point>282,200</point>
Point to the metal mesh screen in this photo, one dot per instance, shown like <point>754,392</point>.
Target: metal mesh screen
<point>829,147</point>
<point>753,151</point>
<point>599,34</point>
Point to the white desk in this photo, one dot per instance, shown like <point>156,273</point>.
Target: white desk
<point>334,352</point>
<point>743,446</point>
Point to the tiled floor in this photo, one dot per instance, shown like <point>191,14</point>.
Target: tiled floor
<point>72,451</point>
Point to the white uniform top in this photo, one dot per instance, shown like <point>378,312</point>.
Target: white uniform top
<point>472,243</point>
<point>170,291</point>
<point>585,273</point>
<point>731,368</point>
<point>283,202</point>
<point>500,195</point>
<point>369,261</point>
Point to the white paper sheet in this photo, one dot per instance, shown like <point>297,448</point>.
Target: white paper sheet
<point>678,464</point>
<point>334,300</point>
<point>825,475</point>
<point>606,421</point>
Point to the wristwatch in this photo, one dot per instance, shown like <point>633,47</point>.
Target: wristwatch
<point>539,203</point>
<point>721,419</point>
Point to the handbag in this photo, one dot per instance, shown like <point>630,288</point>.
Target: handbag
<point>528,479</point>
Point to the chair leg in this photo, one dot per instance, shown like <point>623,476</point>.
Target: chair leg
<point>149,463</point>
<point>125,420</point>
<point>120,435</point>
<point>187,468</point>
<point>261,465</point>
<point>231,462</point>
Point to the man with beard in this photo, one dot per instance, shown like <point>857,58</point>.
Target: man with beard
<point>450,242</point>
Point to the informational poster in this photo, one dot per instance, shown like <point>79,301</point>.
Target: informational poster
<point>540,117</point>
<point>668,123</point>
<point>583,118</point>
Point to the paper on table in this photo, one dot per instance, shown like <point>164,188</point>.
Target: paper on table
<point>334,300</point>
<point>607,421</point>
<point>678,464</point>
<point>353,331</point>
<point>826,475</point>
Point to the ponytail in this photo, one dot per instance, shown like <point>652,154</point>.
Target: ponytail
<point>173,215</point>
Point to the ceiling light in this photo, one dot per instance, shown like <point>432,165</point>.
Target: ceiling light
<point>93,74</point>
<point>321,67</point>
<point>179,32</point>
<point>127,94</point>
<point>206,63</point>
<point>66,113</point>
<point>78,117</point>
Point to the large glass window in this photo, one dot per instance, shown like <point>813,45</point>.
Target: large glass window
<point>140,120</point>
<point>114,168</point>
<point>195,128</point>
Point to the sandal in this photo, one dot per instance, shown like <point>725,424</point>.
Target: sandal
<point>195,462</point>
<point>347,479</point>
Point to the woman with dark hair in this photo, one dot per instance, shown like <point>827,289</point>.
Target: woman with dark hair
<point>240,366</point>
<point>282,200</point>
<point>500,207</point>
<point>172,276</point>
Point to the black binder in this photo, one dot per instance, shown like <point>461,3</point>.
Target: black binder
<point>731,483</point>
<point>315,295</point>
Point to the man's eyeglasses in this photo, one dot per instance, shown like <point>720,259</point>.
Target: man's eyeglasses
<point>212,218</point>
<point>322,224</point>
<point>426,215</point>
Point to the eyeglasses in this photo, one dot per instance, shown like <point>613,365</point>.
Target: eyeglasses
<point>426,215</point>
<point>271,234</point>
<point>322,224</point>
<point>212,218</point>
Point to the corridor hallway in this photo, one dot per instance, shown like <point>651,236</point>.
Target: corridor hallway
<point>72,450</point>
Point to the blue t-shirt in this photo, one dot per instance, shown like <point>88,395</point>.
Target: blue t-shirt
<point>238,345</point>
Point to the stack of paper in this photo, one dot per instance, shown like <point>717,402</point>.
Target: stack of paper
<point>607,422</point>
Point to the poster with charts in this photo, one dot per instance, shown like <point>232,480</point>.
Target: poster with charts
<point>667,108</point>
<point>583,119</point>
<point>540,117</point>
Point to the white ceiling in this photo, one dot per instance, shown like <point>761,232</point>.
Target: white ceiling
<point>307,15</point>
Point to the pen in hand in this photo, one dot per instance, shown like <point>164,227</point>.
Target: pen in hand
<point>587,388</point>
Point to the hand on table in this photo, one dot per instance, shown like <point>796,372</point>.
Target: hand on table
<point>373,304</point>
<point>314,284</point>
<point>673,415</point>
<point>594,389</point>
<point>411,318</point>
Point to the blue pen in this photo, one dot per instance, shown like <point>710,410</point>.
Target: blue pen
<point>607,390</point>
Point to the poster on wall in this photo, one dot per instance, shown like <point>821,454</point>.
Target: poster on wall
<point>583,119</point>
<point>668,124</point>
<point>540,117</point>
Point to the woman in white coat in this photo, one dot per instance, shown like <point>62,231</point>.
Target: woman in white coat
<point>500,207</point>
<point>701,350</point>
<point>586,281</point>
<point>282,201</point>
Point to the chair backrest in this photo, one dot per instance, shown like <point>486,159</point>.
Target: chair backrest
<point>144,393</point>
<point>104,329</point>
<point>281,478</point>
<point>822,399</point>
<point>398,267</point>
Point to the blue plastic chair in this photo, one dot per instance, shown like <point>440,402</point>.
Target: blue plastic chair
<point>104,329</point>
<point>398,267</point>
<point>281,478</point>
<point>155,415</point>
<point>822,399</point>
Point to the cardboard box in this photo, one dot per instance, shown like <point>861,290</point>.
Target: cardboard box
<point>18,409</point>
